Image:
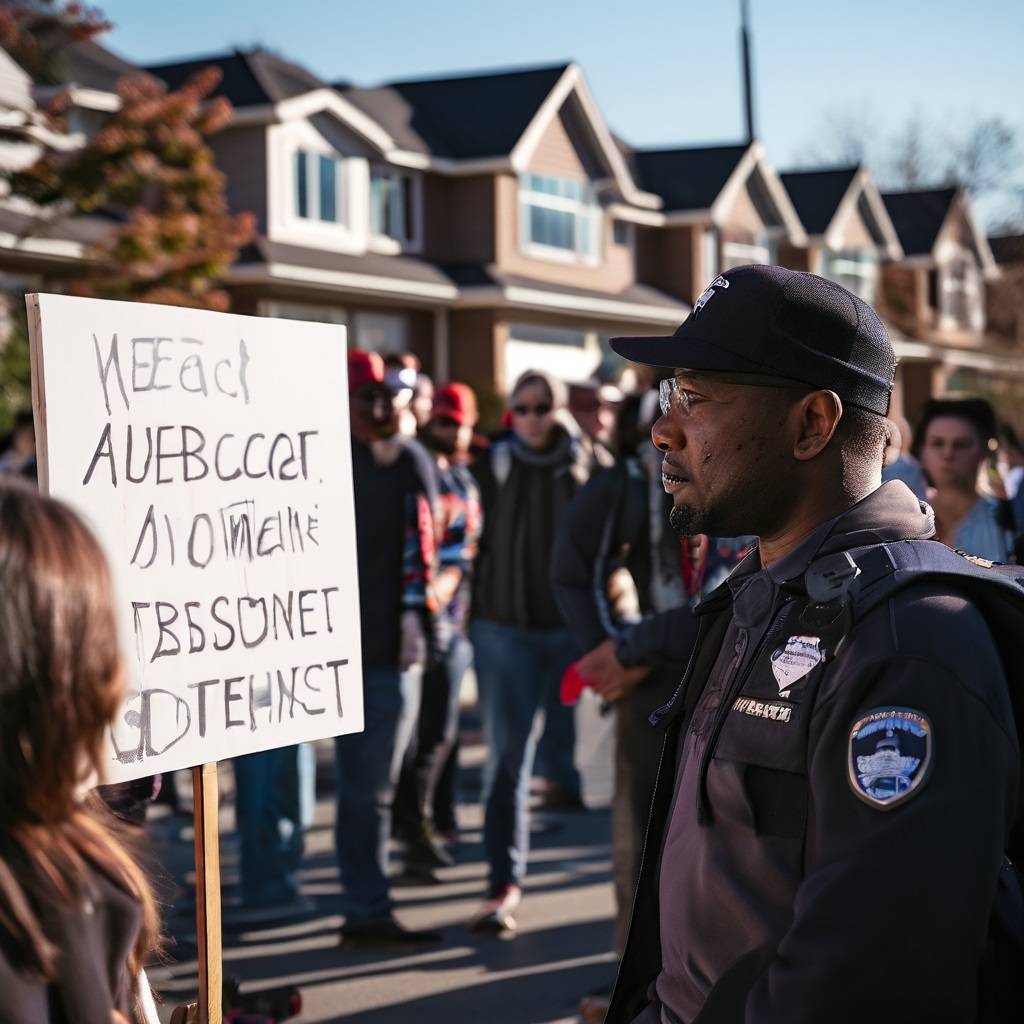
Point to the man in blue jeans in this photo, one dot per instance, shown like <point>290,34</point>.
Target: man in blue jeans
<point>395,551</point>
<point>521,645</point>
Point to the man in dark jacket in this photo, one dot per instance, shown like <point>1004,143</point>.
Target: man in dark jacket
<point>395,552</point>
<point>829,828</point>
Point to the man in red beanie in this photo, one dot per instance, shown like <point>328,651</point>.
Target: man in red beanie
<point>396,554</point>
<point>424,804</point>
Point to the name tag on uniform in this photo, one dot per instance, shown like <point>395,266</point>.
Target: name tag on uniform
<point>792,662</point>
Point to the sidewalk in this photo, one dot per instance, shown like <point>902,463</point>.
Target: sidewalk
<point>561,952</point>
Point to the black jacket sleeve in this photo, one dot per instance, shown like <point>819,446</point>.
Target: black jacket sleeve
<point>665,636</point>
<point>579,559</point>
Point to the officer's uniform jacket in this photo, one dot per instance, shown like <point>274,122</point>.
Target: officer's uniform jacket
<point>828,829</point>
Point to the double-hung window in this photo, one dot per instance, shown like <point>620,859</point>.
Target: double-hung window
<point>319,186</point>
<point>393,205</point>
<point>962,298</point>
<point>855,269</point>
<point>560,218</point>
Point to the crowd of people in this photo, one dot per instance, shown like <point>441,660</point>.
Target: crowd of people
<point>538,555</point>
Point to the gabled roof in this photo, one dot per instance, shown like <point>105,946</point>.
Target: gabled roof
<point>1007,248</point>
<point>918,217</point>
<point>826,197</point>
<point>248,78</point>
<point>88,65</point>
<point>466,117</point>
<point>817,194</point>
<point>687,179</point>
<point>699,184</point>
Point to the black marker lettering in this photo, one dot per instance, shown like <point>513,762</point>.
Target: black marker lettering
<point>128,456</point>
<point>113,359</point>
<point>149,524</point>
<point>104,450</point>
<point>200,689</point>
<point>217,645</point>
<point>164,625</point>
<point>229,697</point>
<point>194,630</point>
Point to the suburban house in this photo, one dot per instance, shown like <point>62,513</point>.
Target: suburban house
<point>491,221</point>
<point>722,206</point>
<point>1005,296</point>
<point>849,233</point>
<point>934,297</point>
<point>533,213</point>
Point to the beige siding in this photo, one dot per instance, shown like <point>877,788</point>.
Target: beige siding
<point>613,273</point>
<point>856,234</point>
<point>743,222</point>
<point>459,225</point>
<point>556,154</point>
<point>241,154</point>
<point>672,260</point>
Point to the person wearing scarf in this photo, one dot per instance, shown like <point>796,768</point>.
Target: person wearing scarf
<point>521,646</point>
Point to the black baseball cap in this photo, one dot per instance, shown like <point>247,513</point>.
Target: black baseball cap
<point>783,323</point>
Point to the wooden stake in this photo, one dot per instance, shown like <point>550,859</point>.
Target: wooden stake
<point>207,845</point>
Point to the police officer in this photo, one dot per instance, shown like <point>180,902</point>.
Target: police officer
<point>836,793</point>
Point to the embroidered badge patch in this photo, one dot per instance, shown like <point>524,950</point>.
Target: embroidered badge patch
<point>890,755</point>
<point>795,660</point>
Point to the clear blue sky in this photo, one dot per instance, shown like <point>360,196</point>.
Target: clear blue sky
<point>662,72</point>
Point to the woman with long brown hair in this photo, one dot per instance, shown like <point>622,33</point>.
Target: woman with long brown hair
<point>77,918</point>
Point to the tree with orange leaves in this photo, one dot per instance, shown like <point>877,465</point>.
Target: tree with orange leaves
<point>149,167</point>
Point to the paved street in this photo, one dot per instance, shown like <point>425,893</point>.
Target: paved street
<point>561,952</point>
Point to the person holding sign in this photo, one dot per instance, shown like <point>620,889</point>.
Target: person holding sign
<point>77,918</point>
<point>395,551</point>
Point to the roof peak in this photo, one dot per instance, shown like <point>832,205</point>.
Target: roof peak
<point>712,148</point>
<point>507,71</point>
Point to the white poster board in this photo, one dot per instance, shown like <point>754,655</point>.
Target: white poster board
<point>210,454</point>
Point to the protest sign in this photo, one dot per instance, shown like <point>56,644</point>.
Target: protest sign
<point>210,454</point>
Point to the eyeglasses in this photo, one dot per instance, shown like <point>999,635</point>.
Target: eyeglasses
<point>672,395</point>
<point>538,410</point>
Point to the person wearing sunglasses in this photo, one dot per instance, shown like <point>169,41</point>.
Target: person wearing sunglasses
<point>520,643</point>
<point>425,799</point>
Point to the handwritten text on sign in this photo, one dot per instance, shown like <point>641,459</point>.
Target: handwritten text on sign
<point>210,453</point>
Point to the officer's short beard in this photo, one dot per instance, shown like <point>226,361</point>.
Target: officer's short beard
<point>686,520</point>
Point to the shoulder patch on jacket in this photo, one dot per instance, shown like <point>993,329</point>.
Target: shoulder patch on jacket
<point>889,755</point>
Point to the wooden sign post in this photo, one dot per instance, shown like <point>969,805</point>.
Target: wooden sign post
<point>208,935</point>
<point>210,454</point>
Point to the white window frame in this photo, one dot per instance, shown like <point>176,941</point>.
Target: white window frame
<point>712,263</point>
<point>582,208</point>
<point>736,254</point>
<point>348,233</point>
<point>395,328</point>
<point>961,276</point>
<point>302,311</point>
<point>840,264</point>
<point>392,244</point>
<point>313,158</point>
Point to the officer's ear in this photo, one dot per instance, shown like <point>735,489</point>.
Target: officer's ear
<point>816,417</point>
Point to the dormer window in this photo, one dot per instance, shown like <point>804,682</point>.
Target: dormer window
<point>560,219</point>
<point>854,269</point>
<point>961,295</point>
<point>394,205</point>
<point>318,187</point>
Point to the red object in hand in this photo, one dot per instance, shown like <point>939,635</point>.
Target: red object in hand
<point>572,685</point>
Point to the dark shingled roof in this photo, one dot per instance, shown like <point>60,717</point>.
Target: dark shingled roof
<point>816,195</point>
<point>91,66</point>
<point>475,275</point>
<point>918,217</point>
<point>1007,248</point>
<point>686,179</point>
<point>249,79</point>
<point>463,118</point>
